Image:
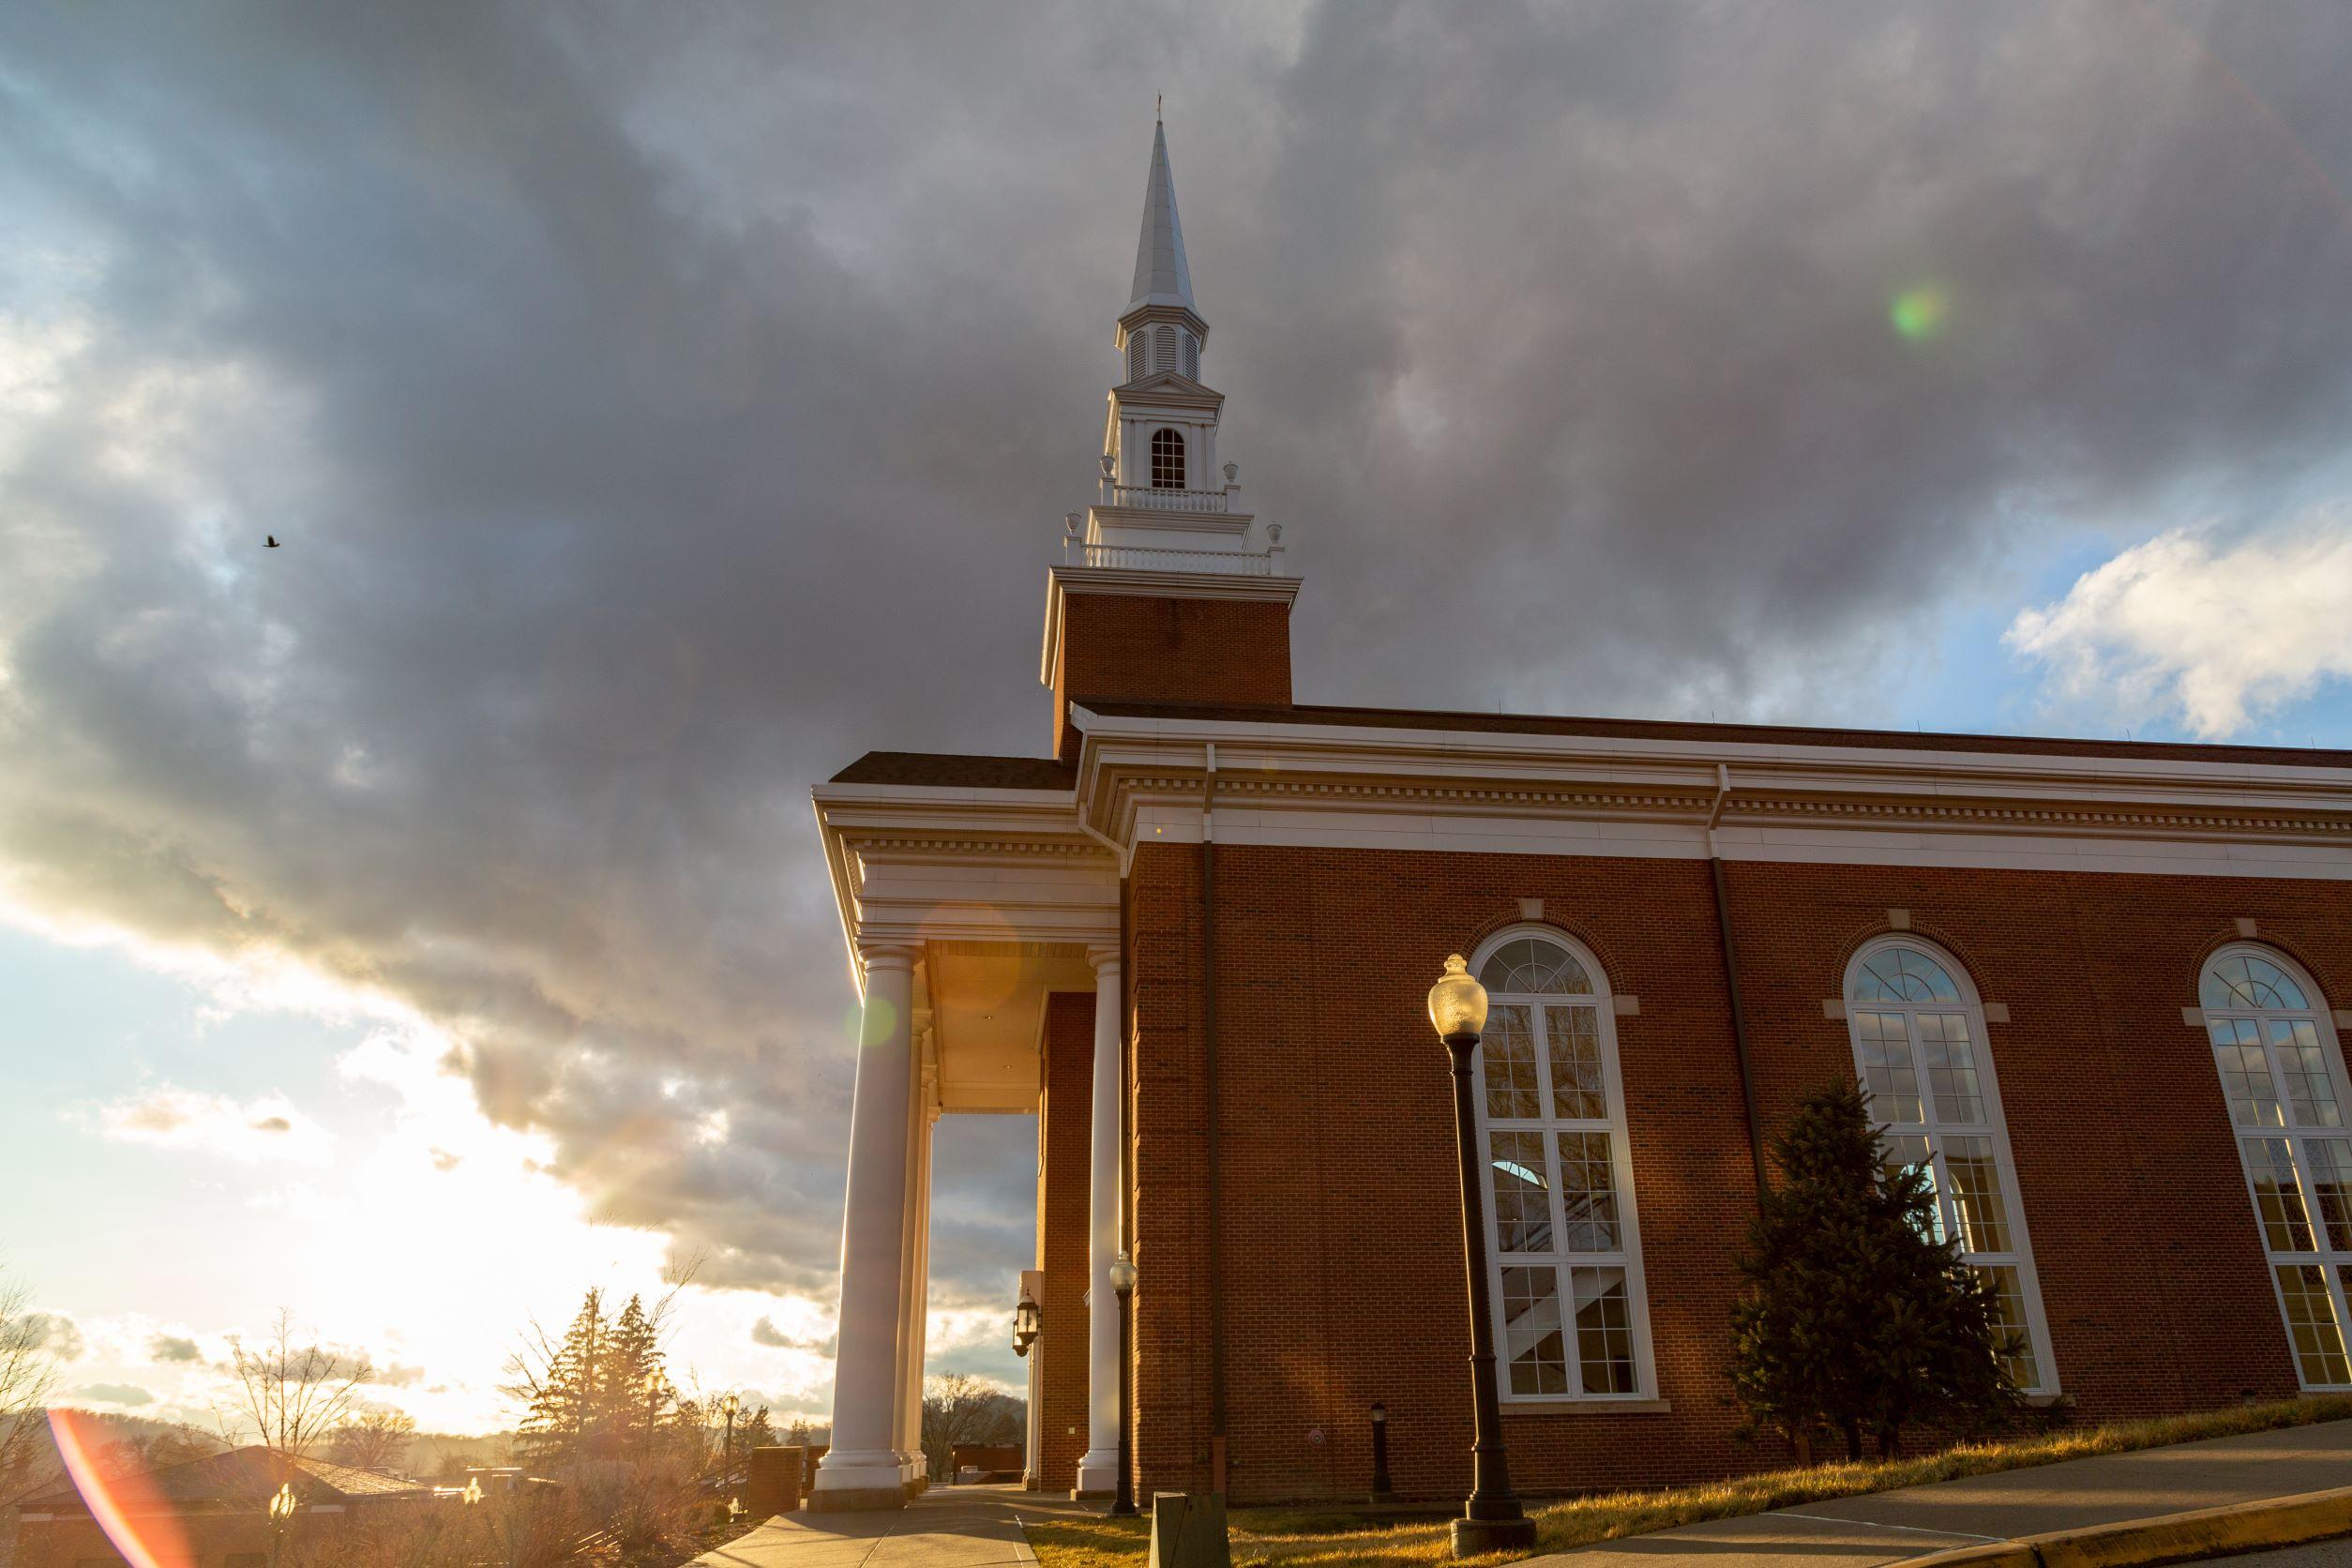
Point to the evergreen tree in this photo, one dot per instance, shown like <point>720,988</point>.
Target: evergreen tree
<point>639,1393</point>
<point>754,1432</point>
<point>1855,1318</point>
<point>567,1390</point>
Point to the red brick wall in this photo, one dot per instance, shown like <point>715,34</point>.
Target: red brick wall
<point>1065,1135</point>
<point>1118,647</point>
<point>1341,1212</point>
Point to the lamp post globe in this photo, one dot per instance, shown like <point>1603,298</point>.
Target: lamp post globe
<point>1028,1320</point>
<point>1492,1519</point>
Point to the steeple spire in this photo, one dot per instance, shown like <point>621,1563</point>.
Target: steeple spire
<point>1161,276</point>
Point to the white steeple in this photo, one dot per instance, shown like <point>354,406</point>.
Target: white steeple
<point>1161,276</point>
<point>1161,332</point>
<point>1164,503</point>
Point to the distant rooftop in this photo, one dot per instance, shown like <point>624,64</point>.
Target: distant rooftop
<point>250,1476</point>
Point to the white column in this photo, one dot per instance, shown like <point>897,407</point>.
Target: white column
<point>908,1373</point>
<point>1099,1469</point>
<point>863,1468</point>
<point>919,1295</point>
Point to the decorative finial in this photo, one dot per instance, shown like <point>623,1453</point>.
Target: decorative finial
<point>1157,99</point>
<point>1070,523</point>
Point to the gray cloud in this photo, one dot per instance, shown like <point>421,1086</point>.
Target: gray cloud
<point>56,1335</point>
<point>114,1394</point>
<point>766,1332</point>
<point>172,1348</point>
<point>658,416</point>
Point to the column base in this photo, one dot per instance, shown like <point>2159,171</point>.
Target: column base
<point>1097,1473</point>
<point>858,1481</point>
<point>1477,1537</point>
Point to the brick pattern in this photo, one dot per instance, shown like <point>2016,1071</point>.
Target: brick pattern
<point>1065,1135</point>
<point>1342,1240</point>
<point>1119,647</point>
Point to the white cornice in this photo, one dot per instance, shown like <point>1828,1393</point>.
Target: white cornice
<point>912,865</point>
<point>1141,780</point>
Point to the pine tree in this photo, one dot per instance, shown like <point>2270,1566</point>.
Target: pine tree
<point>639,1393</point>
<point>567,1390</point>
<point>1856,1318</point>
<point>755,1432</point>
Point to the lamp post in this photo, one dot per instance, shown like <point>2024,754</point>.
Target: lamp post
<point>726,1466</point>
<point>1492,1519</point>
<point>281,1513</point>
<point>1123,1281</point>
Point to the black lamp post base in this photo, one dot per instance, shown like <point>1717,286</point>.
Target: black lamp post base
<point>1477,1537</point>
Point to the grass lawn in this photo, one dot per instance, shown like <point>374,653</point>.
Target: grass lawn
<point>1317,1536</point>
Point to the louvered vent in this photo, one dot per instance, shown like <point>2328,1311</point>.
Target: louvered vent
<point>1192,357</point>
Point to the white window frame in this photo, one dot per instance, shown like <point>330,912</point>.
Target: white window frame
<point>1628,1253</point>
<point>2332,1261</point>
<point>1183,458</point>
<point>1934,1130</point>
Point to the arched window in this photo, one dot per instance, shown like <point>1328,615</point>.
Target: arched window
<point>2282,1075</point>
<point>1163,349</point>
<point>1919,1051</point>
<point>1136,366</point>
<point>1572,1316</point>
<point>1192,357</point>
<point>1168,461</point>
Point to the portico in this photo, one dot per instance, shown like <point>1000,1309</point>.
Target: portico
<point>966,914</point>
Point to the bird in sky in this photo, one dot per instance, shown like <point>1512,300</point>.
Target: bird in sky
<point>273,540</point>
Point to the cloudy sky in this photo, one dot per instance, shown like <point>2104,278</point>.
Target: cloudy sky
<point>423,921</point>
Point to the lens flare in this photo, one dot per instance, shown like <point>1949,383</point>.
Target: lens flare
<point>127,1507</point>
<point>1918,313</point>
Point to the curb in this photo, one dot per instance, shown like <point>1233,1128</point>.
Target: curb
<point>2235,1527</point>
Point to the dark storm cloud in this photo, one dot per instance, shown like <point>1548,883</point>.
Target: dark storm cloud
<point>659,408</point>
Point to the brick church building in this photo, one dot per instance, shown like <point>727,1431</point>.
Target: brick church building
<point>2091,984</point>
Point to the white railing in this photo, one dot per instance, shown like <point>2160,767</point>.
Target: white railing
<point>1141,558</point>
<point>1146,499</point>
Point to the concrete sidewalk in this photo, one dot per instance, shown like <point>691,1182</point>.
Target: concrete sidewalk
<point>1888,1527</point>
<point>948,1527</point>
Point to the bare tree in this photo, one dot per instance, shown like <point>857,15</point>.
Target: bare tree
<point>958,1407</point>
<point>290,1394</point>
<point>28,1373</point>
<point>374,1439</point>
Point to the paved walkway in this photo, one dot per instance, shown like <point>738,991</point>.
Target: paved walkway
<point>948,1527</point>
<point>979,1526</point>
<point>1888,1527</point>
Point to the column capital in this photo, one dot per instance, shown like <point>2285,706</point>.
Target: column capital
<point>1103,958</point>
<point>885,955</point>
